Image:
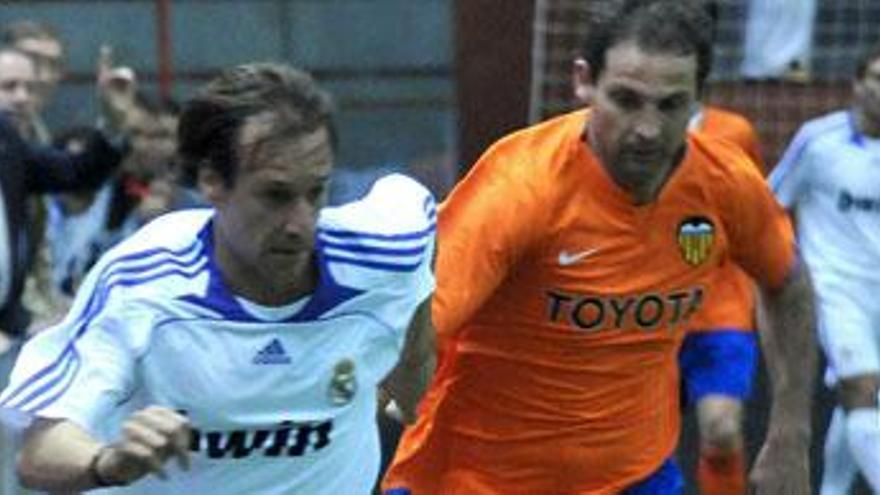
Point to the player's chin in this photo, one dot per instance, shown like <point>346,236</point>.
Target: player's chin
<point>287,261</point>
<point>637,176</point>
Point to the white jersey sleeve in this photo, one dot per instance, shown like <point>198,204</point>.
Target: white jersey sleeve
<point>84,367</point>
<point>78,370</point>
<point>789,178</point>
<point>792,176</point>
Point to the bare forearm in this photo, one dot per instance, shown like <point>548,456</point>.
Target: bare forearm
<point>56,457</point>
<point>409,380</point>
<point>787,327</point>
<point>407,386</point>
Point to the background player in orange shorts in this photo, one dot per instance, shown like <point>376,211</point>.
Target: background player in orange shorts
<point>719,355</point>
<point>718,360</point>
<point>570,262</point>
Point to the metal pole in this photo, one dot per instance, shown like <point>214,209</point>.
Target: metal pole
<point>163,42</point>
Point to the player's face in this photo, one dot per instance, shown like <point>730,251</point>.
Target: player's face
<point>46,55</point>
<point>16,87</point>
<point>641,106</point>
<point>265,224</point>
<point>152,145</point>
<point>867,93</point>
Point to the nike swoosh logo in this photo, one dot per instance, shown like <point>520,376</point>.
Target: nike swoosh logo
<point>566,258</point>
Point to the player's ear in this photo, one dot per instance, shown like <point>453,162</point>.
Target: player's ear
<point>211,185</point>
<point>582,81</point>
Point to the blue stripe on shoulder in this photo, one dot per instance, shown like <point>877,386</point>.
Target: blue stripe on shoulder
<point>97,301</point>
<point>405,236</point>
<point>70,358</point>
<point>188,274</point>
<point>77,361</point>
<point>360,248</point>
<point>430,207</point>
<point>391,267</point>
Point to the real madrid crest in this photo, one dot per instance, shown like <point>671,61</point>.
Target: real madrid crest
<point>696,236</point>
<point>343,384</point>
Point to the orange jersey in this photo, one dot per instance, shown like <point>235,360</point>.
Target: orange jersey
<point>734,128</point>
<point>733,301</point>
<point>560,308</point>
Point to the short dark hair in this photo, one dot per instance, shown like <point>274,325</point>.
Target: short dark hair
<point>16,31</point>
<point>210,125</point>
<point>866,58</point>
<point>682,27</point>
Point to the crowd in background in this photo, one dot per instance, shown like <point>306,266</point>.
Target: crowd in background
<point>65,222</point>
<point>68,225</point>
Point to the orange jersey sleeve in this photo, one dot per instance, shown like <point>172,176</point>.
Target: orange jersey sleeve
<point>483,230</point>
<point>762,240</point>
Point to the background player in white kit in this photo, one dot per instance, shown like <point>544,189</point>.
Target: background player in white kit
<point>829,178</point>
<point>248,340</point>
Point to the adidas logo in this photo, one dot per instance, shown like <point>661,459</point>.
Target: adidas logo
<point>273,353</point>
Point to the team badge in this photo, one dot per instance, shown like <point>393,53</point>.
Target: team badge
<point>696,235</point>
<point>343,384</point>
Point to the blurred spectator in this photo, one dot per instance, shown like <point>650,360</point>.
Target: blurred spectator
<point>147,184</point>
<point>42,44</point>
<point>75,223</point>
<point>82,226</point>
<point>16,83</point>
<point>778,39</point>
<point>27,169</point>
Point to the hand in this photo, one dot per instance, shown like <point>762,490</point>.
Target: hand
<point>116,89</point>
<point>5,342</point>
<point>383,398</point>
<point>782,466</point>
<point>150,437</point>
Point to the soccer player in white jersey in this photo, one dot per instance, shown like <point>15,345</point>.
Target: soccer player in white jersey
<point>829,178</point>
<point>249,341</point>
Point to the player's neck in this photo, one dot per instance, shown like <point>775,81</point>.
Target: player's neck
<point>643,193</point>
<point>269,291</point>
<point>263,285</point>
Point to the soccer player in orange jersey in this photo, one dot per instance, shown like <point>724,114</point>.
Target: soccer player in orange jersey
<point>571,260</point>
<point>719,355</point>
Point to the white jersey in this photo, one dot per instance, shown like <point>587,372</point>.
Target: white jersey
<point>282,400</point>
<point>830,175</point>
<point>830,178</point>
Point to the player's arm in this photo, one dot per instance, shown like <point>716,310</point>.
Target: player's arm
<point>490,219</point>
<point>762,242</point>
<point>58,455</point>
<point>409,380</point>
<point>786,329</point>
